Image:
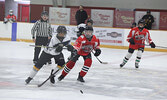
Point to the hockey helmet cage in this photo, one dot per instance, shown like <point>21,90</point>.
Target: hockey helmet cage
<point>89,28</point>
<point>61,29</point>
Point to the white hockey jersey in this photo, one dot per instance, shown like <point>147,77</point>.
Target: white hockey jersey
<point>55,41</point>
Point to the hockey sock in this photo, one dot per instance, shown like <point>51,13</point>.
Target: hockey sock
<point>127,57</point>
<point>85,68</point>
<point>68,67</point>
<point>34,72</point>
<point>138,58</point>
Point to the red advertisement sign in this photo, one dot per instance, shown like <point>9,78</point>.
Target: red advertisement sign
<point>163,21</point>
<point>124,19</point>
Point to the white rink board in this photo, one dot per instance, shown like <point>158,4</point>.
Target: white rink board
<point>24,32</point>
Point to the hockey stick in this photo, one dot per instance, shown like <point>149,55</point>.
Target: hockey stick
<point>99,59</point>
<point>155,46</point>
<point>48,78</point>
<point>43,46</point>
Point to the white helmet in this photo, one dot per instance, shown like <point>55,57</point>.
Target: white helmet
<point>11,12</point>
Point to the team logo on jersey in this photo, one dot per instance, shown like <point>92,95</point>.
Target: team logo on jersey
<point>87,48</point>
<point>139,37</point>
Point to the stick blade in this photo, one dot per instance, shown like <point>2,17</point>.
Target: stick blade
<point>104,62</point>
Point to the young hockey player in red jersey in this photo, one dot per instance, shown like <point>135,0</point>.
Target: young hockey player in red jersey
<point>54,50</point>
<point>83,47</point>
<point>10,18</point>
<point>136,38</point>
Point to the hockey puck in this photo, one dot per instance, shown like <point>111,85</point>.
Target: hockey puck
<point>81,91</point>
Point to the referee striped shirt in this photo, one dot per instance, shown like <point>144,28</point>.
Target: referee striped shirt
<point>41,29</point>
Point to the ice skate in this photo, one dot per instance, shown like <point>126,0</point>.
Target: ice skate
<point>121,65</point>
<point>80,78</point>
<point>28,80</point>
<point>52,77</point>
<point>136,65</point>
<point>60,77</point>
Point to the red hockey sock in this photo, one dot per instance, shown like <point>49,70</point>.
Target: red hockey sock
<point>85,68</point>
<point>68,67</point>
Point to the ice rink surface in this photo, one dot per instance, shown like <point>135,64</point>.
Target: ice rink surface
<point>103,81</point>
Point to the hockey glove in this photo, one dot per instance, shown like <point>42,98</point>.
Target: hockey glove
<point>132,41</point>
<point>79,34</point>
<point>59,48</point>
<point>97,52</point>
<point>152,45</point>
<point>70,47</point>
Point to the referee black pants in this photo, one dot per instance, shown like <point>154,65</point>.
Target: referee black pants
<point>39,41</point>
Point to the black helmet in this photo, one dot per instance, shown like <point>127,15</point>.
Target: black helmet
<point>134,23</point>
<point>90,21</point>
<point>62,29</point>
<point>90,28</point>
<point>148,11</point>
<point>141,21</point>
<point>87,29</point>
<point>44,13</point>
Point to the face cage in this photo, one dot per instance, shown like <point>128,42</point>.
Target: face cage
<point>88,33</point>
<point>58,34</point>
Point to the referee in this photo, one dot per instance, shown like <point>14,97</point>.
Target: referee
<point>41,34</point>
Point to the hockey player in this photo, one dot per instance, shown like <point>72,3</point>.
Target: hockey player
<point>57,42</point>
<point>136,38</point>
<point>83,47</point>
<point>81,27</point>
<point>89,22</point>
<point>10,18</point>
<point>133,25</point>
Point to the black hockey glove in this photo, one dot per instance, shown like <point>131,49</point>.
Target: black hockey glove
<point>97,52</point>
<point>79,34</point>
<point>59,48</point>
<point>132,41</point>
<point>152,45</point>
<point>70,48</point>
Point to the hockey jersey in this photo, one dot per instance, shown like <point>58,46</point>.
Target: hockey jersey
<point>139,38</point>
<point>13,17</point>
<point>55,42</point>
<point>84,46</point>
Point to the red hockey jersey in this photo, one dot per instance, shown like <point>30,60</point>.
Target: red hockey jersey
<point>11,17</point>
<point>84,46</point>
<point>139,37</point>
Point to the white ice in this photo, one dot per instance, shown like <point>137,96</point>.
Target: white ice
<point>103,81</point>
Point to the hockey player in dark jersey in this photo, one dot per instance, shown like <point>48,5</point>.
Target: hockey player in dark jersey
<point>54,50</point>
